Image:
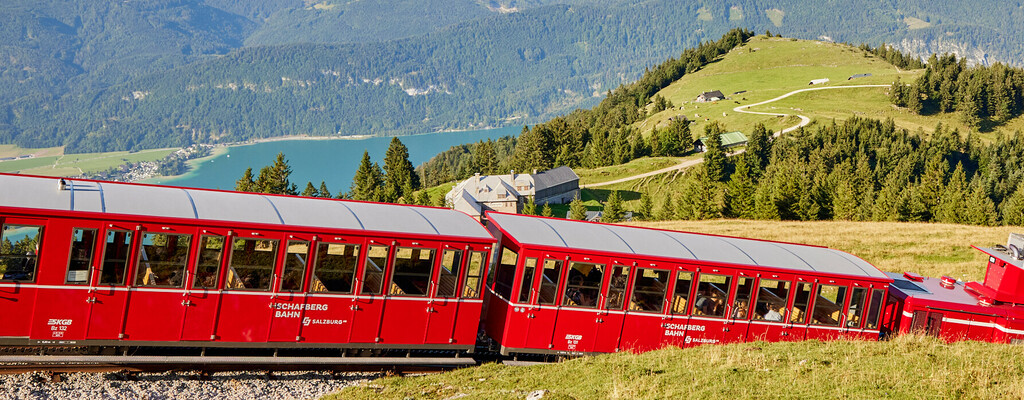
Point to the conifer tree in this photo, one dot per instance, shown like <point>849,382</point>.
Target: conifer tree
<point>546,210</point>
<point>310,191</point>
<point>422,198</point>
<point>646,210</point>
<point>273,178</point>
<point>323,192</point>
<point>399,174</point>
<point>668,208</point>
<point>1013,207</point>
<point>932,184</point>
<point>577,210</point>
<point>613,211</point>
<point>765,206</point>
<point>485,160</point>
<point>367,180</point>
<point>714,154</point>
<point>979,208</point>
<point>953,203</point>
<point>759,147</point>
<point>529,207</point>
<point>246,182</point>
<point>739,193</point>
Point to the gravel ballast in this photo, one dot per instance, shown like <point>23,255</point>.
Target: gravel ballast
<point>177,385</point>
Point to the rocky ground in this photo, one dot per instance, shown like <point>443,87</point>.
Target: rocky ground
<point>177,385</point>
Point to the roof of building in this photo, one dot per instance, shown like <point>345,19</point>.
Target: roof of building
<point>713,93</point>
<point>629,240</point>
<point>201,204</point>
<point>730,138</point>
<point>554,177</point>
<point>855,76</point>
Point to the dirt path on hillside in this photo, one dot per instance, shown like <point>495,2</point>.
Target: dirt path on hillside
<point>804,121</point>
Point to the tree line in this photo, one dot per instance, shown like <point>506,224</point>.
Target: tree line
<point>981,95</point>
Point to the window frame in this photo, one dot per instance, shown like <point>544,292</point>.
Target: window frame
<point>127,268</point>
<point>730,282</point>
<point>393,273</point>
<point>90,264</point>
<point>841,289</point>
<point>360,247</point>
<point>309,254</point>
<point>275,245</point>
<point>481,279</point>
<point>138,262</point>
<point>41,224</point>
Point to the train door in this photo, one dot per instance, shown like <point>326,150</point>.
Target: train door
<point>926,322</point>
<point>610,320</point>
<point>110,282</point>
<point>855,318</point>
<point>768,309</point>
<point>248,278</point>
<point>551,278</point>
<point>739,311</point>
<point>796,317</point>
<point>523,308</point>
<point>155,310</point>
<point>467,320</point>
<point>826,319</point>
<point>368,305</point>
<point>644,320</point>
<point>20,242</point>
<point>573,329</point>
<point>711,307</point>
<point>332,285</point>
<point>444,301</point>
<point>202,296</point>
<point>676,328</point>
<point>408,306</point>
<point>289,301</point>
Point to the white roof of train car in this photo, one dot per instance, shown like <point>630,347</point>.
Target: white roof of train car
<point>580,235</point>
<point>173,202</point>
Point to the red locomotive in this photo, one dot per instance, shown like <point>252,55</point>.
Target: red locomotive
<point>104,269</point>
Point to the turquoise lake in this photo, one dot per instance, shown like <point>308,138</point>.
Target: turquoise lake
<point>333,161</point>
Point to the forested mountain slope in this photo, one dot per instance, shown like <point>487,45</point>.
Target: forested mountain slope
<point>143,73</point>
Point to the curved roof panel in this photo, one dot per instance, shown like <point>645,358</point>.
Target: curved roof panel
<point>581,235</point>
<point>172,202</point>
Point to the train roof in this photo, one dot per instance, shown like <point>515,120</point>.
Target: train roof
<point>203,204</point>
<point>569,234</point>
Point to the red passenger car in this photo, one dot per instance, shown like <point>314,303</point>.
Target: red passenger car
<point>571,287</point>
<point>954,310</point>
<point>93,264</point>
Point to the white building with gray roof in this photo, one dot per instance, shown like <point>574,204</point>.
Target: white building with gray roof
<point>507,193</point>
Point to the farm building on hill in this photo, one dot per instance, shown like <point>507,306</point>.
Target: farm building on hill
<point>506,193</point>
<point>818,81</point>
<point>858,76</point>
<point>715,95</point>
<point>729,140</point>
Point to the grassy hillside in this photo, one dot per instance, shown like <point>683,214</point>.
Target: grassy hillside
<point>766,68</point>
<point>53,161</point>
<point>907,367</point>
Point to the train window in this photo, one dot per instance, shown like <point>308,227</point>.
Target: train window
<point>649,287</point>
<point>682,293</point>
<point>373,271</point>
<point>474,272</point>
<point>828,305</point>
<point>527,287</point>
<point>83,245</point>
<point>583,285</point>
<point>117,247</point>
<point>211,251</point>
<point>295,261</point>
<point>334,268</point>
<point>617,288</point>
<point>162,260</point>
<point>252,264</point>
<point>505,273</point>
<point>801,300</point>
<point>549,282</point>
<point>448,277</point>
<point>712,293</point>
<point>413,269</point>
<point>741,305</point>
<point>874,309</point>
<point>856,310</point>
<point>19,249</point>
<point>772,296</point>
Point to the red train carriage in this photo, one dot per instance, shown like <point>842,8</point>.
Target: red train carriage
<point>953,310</point>
<point>85,263</point>
<point>571,287</point>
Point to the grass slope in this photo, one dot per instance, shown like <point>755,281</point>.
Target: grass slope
<point>77,164</point>
<point>906,367</point>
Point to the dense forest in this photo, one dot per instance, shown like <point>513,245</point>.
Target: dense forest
<point>130,75</point>
<point>983,96</point>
